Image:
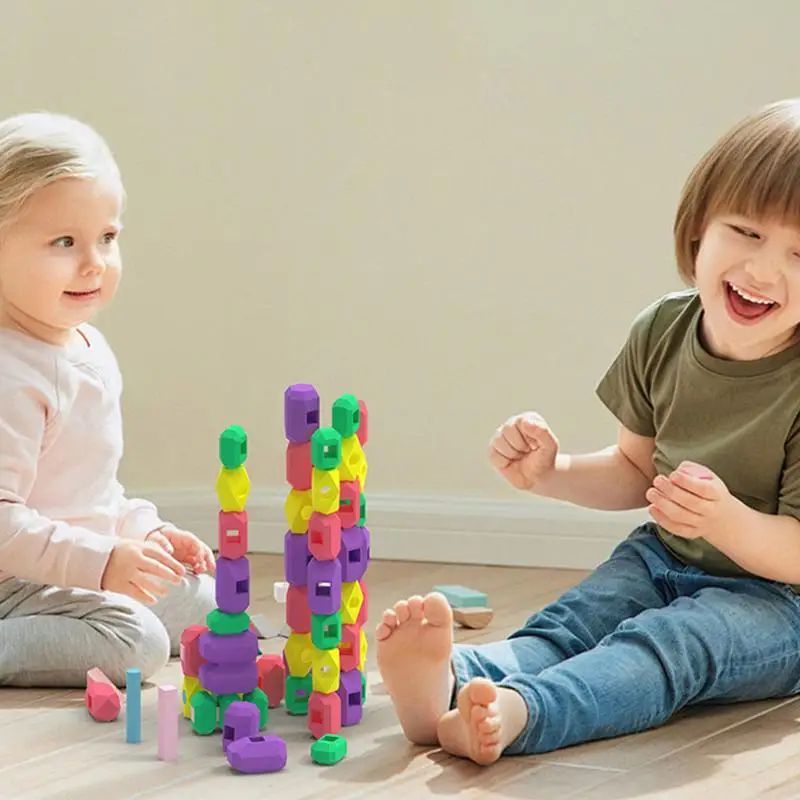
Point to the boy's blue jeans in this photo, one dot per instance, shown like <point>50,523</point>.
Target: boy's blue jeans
<point>640,638</point>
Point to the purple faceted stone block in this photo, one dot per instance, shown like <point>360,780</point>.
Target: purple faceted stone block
<point>233,585</point>
<point>236,648</point>
<point>229,678</point>
<point>354,553</point>
<point>350,693</point>
<point>300,412</point>
<point>324,586</point>
<point>296,556</point>
<point>257,754</point>
<point>242,719</point>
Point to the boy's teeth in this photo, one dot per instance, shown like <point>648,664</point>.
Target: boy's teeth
<point>743,293</point>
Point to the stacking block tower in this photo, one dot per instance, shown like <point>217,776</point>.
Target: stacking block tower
<point>326,554</point>
<point>220,659</point>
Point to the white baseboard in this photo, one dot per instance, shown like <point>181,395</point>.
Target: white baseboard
<point>530,532</point>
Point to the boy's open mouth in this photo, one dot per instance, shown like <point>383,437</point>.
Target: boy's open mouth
<point>746,307</point>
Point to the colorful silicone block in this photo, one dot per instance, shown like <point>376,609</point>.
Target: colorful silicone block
<point>298,614</point>
<point>298,465</point>
<point>324,586</point>
<point>345,417</point>
<point>324,535</point>
<point>232,586</point>
<point>233,488</point>
<point>300,412</point>
<point>349,503</point>
<point>350,695</point>
<point>191,659</point>
<point>232,534</point>
<point>103,700</point>
<point>363,426</point>
<point>255,754</point>
<point>272,677</point>
<point>329,749</point>
<point>229,678</point>
<point>298,691</point>
<point>296,558</point>
<point>233,447</point>
<point>326,630</point>
<point>227,624</point>
<point>240,721</point>
<point>326,448</point>
<point>235,648</point>
<point>354,555</point>
<point>324,714</point>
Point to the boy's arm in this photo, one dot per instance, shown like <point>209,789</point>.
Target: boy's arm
<point>614,479</point>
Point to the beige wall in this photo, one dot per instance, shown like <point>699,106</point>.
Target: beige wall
<point>366,195</point>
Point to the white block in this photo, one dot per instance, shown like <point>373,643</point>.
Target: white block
<point>279,591</point>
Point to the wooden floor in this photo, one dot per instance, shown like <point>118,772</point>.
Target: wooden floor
<point>50,748</point>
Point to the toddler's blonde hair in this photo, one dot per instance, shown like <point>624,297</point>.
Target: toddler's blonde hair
<point>752,170</point>
<point>38,148</point>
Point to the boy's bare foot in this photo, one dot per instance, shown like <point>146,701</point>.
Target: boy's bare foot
<point>487,720</point>
<point>414,642</point>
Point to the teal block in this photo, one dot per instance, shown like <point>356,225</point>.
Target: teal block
<point>133,705</point>
<point>462,597</point>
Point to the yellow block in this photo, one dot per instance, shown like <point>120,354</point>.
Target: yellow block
<point>298,510</point>
<point>233,488</point>
<point>325,490</point>
<point>352,598</point>
<point>190,686</point>
<point>354,462</point>
<point>363,654</point>
<point>298,650</point>
<point>325,670</point>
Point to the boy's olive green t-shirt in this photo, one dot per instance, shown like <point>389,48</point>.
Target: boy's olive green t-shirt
<point>738,418</point>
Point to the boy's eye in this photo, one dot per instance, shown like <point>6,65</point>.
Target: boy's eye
<point>110,236</point>
<point>745,232</point>
<point>64,241</point>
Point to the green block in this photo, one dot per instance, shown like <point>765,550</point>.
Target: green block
<point>227,624</point>
<point>233,447</point>
<point>326,448</point>
<point>326,630</point>
<point>258,697</point>
<point>362,520</point>
<point>462,597</point>
<point>223,701</point>
<point>204,713</point>
<point>363,688</point>
<point>346,416</point>
<point>298,692</point>
<point>329,749</point>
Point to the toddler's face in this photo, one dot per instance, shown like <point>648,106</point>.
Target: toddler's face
<point>748,275</point>
<point>59,259</point>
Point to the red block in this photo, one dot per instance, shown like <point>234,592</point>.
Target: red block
<point>324,714</point>
<point>103,700</point>
<point>232,534</point>
<point>349,504</point>
<point>361,619</point>
<point>298,614</point>
<point>350,647</point>
<point>298,465</point>
<point>191,660</point>
<point>272,677</point>
<point>325,534</point>
<point>363,425</point>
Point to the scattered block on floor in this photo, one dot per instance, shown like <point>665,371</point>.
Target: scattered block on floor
<point>462,597</point>
<point>103,700</point>
<point>253,754</point>
<point>133,705</point>
<point>168,722</point>
<point>473,617</point>
<point>329,749</point>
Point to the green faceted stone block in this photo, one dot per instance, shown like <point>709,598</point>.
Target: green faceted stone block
<point>326,630</point>
<point>346,416</point>
<point>329,749</point>
<point>298,692</point>
<point>363,688</point>
<point>223,701</point>
<point>204,713</point>
<point>233,447</point>
<point>362,520</point>
<point>259,699</point>
<point>227,624</point>
<point>326,448</point>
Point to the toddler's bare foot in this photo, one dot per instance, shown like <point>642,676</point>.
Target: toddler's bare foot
<point>414,642</point>
<point>487,720</point>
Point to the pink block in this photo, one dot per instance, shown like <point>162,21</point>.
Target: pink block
<point>324,714</point>
<point>363,425</point>
<point>298,614</point>
<point>191,659</point>
<point>232,534</point>
<point>272,677</point>
<point>364,610</point>
<point>325,535</point>
<point>350,647</point>
<point>298,465</point>
<point>103,700</point>
<point>349,505</point>
<point>168,722</point>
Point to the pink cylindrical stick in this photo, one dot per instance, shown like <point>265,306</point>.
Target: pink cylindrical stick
<point>168,722</point>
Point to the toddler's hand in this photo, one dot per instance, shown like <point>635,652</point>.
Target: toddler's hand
<point>185,546</point>
<point>523,450</point>
<point>137,569</point>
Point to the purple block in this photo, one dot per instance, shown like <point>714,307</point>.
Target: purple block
<point>242,720</point>
<point>236,648</point>
<point>233,585</point>
<point>354,553</point>
<point>229,678</point>
<point>300,412</point>
<point>257,754</point>
<point>350,694</point>
<point>296,556</point>
<point>324,586</point>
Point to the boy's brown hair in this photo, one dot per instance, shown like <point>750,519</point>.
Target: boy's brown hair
<point>752,170</point>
